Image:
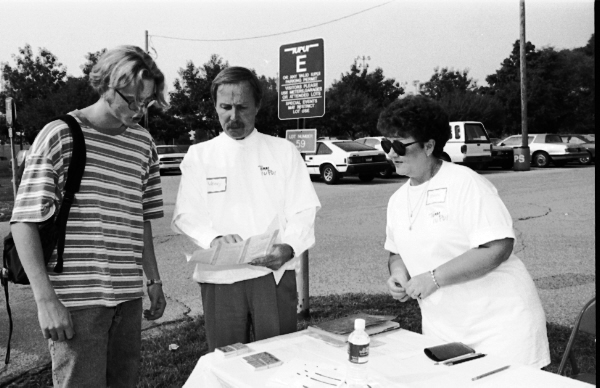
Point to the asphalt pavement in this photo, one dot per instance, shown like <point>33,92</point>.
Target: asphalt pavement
<point>554,216</point>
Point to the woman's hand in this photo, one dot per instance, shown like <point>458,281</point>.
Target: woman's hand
<point>421,286</point>
<point>396,286</point>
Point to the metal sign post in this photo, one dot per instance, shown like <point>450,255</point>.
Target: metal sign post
<point>11,114</point>
<point>302,95</point>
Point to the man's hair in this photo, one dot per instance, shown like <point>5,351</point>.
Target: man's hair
<point>123,65</point>
<point>418,117</point>
<point>235,75</point>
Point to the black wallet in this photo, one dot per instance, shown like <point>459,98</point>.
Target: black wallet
<point>447,351</point>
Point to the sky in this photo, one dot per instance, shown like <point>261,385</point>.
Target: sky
<point>406,38</point>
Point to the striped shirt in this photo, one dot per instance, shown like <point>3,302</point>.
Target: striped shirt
<point>120,189</point>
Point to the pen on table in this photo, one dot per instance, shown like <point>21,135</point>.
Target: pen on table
<point>490,373</point>
<point>457,358</point>
<point>474,357</point>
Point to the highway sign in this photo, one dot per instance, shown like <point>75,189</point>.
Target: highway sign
<point>302,80</point>
<point>305,140</point>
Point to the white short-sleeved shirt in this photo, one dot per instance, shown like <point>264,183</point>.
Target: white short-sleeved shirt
<point>499,313</point>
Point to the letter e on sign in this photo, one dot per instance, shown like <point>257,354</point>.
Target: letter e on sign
<point>300,62</point>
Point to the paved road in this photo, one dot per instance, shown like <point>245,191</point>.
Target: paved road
<point>554,216</point>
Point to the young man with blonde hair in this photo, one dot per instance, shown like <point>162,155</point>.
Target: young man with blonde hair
<point>91,312</point>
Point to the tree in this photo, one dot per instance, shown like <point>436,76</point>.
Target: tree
<point>473,106</point>
<point>30,83</point>
<point>560,89</point>
<point>91,60</point>
<point>191,102</point>
<point>462,99</point>
<point>354,102</point>
<point>446,81</point>
<point>267,119</point>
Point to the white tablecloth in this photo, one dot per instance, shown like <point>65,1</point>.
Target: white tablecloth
<point>398,361</point>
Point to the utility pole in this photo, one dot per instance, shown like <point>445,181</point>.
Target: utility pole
<point>146,50</point>
<point>11,118</point>
<point>416,85</point>
<point>522,155</point>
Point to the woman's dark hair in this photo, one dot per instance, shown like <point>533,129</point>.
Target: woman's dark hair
<point>235,75</point>
<point>418,117</point>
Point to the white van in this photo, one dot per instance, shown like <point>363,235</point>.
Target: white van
<point>469,144</point>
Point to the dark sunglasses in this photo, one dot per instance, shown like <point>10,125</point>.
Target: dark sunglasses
<point>398,146</point>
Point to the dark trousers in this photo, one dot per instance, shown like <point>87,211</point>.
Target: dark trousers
<point>105,351</point>
<point>252,309</point>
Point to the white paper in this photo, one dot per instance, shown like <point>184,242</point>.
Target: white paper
<point>237,253</point>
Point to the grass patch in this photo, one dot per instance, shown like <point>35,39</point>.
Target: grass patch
<point>163,368</point>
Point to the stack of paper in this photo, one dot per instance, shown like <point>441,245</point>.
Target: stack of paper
<point>232,350</point>
<point>260,361</point>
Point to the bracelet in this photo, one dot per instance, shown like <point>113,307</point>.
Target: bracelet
<point>153,281</point>
<point>433,278</point>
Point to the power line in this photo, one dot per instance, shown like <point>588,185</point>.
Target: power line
<point>276,34</point>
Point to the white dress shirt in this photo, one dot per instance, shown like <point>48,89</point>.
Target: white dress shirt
<point>240,187</point>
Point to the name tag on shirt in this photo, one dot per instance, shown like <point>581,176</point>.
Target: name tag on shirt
<point>216,185</point>
<point>436,196</point>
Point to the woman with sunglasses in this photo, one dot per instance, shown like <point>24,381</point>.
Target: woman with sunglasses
<point>450,239</point>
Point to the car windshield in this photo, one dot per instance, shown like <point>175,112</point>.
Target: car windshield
<point>553,139</point>
<point>350,146</point>
<point>517,140</point>
<point>575,139</point>
<point>174,149</point>
<point>591,138</point>
<point>475,132</point>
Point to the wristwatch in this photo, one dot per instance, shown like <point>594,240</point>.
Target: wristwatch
<point>150,282</point>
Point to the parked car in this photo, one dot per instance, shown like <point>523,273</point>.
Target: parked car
<point>375,142</point>
<point>502,157</point>
<point>334,159</point>
<point>170,157</point>
<point>585,142</point>
<point>547,148</point>
<point>468,144</point>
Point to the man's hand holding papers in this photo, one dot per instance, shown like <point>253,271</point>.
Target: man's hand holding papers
<point>237,253</point>
<point>278,256</point>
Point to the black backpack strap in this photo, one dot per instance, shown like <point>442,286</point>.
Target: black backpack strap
<point>4,281</point>
<point>74,175</point>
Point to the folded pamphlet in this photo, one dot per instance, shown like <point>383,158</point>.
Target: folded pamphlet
<point>242,252</point>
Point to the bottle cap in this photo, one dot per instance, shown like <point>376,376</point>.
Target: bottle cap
<point>359,324</point>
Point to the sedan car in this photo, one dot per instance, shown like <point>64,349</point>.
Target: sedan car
<point>547,148</point>
<point>585,142</point>
<point>334,159</point>
<point>170,157</point>
<point>375,142</point>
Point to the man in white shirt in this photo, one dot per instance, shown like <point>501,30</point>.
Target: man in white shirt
<point>237,185</point>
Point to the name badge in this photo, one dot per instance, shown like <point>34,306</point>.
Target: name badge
<point>216,185</point>
<point>436,196</point>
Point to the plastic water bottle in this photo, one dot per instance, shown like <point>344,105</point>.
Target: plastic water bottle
<point>358,355</point>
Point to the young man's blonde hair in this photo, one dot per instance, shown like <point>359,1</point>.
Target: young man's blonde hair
<point>123,65</point>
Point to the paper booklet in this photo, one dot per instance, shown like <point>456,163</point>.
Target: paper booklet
<point>336,332</point>
<point>238,253</point>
